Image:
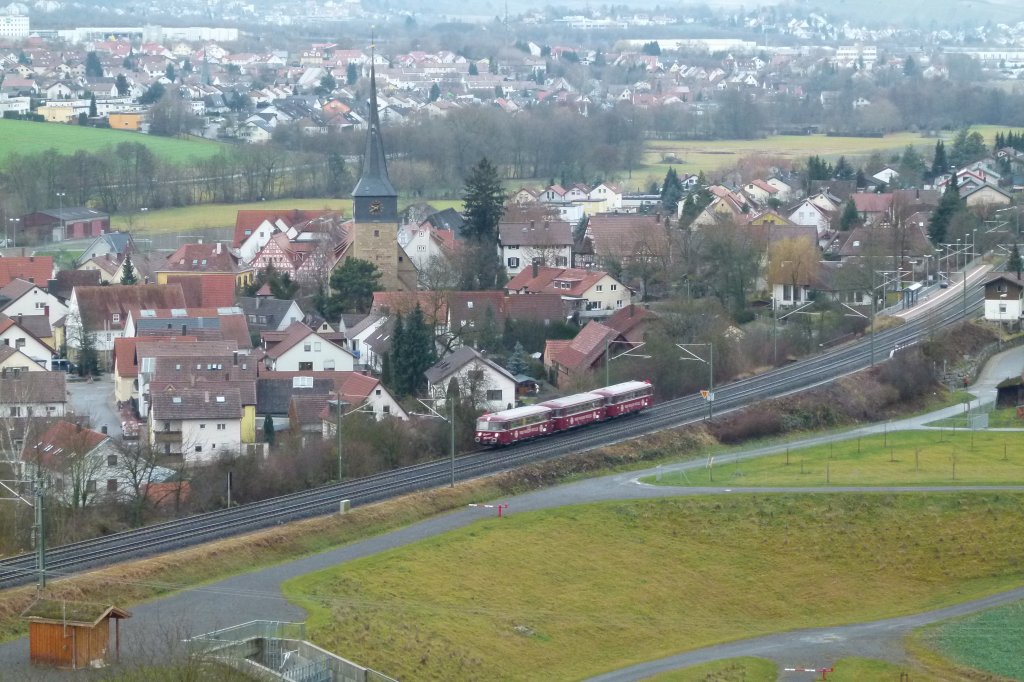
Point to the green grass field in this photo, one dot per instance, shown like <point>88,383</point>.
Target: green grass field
<point>901,458</point>
<point>29,137</point>
<point>173,220</point>
<point>1003,418</point>
<point>991,641</point>
<point>575,591</point>
<point>730,670</point>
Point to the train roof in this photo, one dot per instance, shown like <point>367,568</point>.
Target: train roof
<point>516,413</point>
<point>570,400</point>
<point>624,387</point>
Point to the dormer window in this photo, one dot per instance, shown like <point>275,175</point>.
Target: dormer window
<point>115,318</point>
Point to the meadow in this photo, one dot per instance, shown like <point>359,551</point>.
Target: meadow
<point>991,640</point>
<point>576,591</point>
<point>926,457</point>
<point>30,137</point>
<point>189,218</point>
<point>761,670</point>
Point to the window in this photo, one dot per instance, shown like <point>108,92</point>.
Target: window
<point>376,233</point>
<point>328,365</point>
<point>1001,288</point>
<point>111,460</point>
<point>316,346</point>
<point>618,304</point>
<point>600,287</point>
<point>199,448</point>
<point>513,262</point>
<point>302,382</point>
<point>494,395</point>
<point>222,427</point>
<point>202,426</point>
<point>614,287</point>
<point>561,261</point>
<point>377,392</point>
<point>513,246</point>
<point>252,319</point>
<point>15,411</point>
<point>40,305</point>
<point>111,485</point>
<point>305,366</point>
<point>1002,308</point>
<point>20,343</point>
<point>387,409</point>
<point>476,374</point>
<point>307,347</point>
<point>115,317</point>
<point>90,486</point>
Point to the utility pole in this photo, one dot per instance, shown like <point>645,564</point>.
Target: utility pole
<point>341,462</point>
<point>39,533</point>
<point>710,362</point>
<point>633,345</point>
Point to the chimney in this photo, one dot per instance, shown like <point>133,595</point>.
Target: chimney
<point>632,309</point>
<point>145,280</point>
<point>234,358</point>
<point>31,259</point>
<point>103,429</point>
<point>199,241</point>
<point>184,330</point>
<point>206,396</point>
<point>46,311</point>
<point>533,224</point>
<point>536,269</point>
<point>219,245</point>
<point>19,319</point>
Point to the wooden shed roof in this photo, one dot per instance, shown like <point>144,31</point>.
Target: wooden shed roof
<point>72,612</point>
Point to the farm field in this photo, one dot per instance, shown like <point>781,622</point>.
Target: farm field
<point>174,220</point>
<point>900,458</point>
<point>30,137</point>
<point>713,155</point>
<point>991,640</point>
<point>576,591</point>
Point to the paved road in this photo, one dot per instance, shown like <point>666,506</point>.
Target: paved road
<point>96,399</point>
<point>157,627</point>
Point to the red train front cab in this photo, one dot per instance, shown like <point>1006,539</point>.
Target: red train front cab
<point>512,426</point>
<point>627,397</point>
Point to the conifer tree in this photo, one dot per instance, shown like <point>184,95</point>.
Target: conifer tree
<point>128,275</point>
<point>1015,264</point>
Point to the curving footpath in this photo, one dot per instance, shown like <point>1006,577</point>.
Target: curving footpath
<point>156,628</point>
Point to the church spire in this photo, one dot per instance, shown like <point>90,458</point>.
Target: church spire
<point>374,181</point>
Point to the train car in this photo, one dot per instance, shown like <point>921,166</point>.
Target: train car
<point>513,426</point>
<point>575,410</point>
<point>627,397</point>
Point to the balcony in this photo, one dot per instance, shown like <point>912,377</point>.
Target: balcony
<point>167,436</point>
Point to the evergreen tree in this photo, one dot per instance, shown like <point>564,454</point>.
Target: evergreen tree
<point>940,163</point>
<point>327,85</point>
<point>397,357</point>
<point>351,74</point>
<point>268,429</point>
<point>387,377</point>
<point>92,105</point>
<point>353,285</point>
<point>128,275</point>
<point>850,217</point>
<point>473,71</point>
<point>93,67</point>
<point>861,180</point>
<point>169,72</point>
<point>435,92</point>
<point>121,83</point>
<point>419,351</point>
<point>88,357</point>
<point>843,170</point>
<point>1015,264</point>
<point>518,362</point>
<point>484,202</point>
<point>949,205</point>
<point>671,190</point>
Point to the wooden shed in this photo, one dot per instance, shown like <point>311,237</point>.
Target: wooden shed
<point>72,634</point>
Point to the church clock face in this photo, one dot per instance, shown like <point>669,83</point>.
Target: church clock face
<point>375,207</point>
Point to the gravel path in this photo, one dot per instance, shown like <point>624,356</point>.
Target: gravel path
<point>156,628</point>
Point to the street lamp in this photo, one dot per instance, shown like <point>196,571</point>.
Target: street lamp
<point>60,197</point>
<point>710,362</point>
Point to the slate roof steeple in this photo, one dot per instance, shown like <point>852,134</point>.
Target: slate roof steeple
<point>374,181</point>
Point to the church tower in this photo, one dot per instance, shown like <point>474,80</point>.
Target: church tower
<point>375,210</point>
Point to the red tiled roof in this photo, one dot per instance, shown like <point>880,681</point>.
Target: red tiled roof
<point>433,303</point>
<point>869,202</point>
<point>625,320</point>
<point>98,304</point>
<point>626,235</point>
<point>250,220</point>
<point>201,258</point>
<point>206,290</point>
<point>126,363</point>
<point>35,269</point>
<point>61,440</point>
<point>583,352</point>
<point>547,278</point>
<point>295,333</point>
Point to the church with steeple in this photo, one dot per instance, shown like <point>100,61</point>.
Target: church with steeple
<point>373,233</point>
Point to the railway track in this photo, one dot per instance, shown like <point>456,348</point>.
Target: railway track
<point>70,558</point>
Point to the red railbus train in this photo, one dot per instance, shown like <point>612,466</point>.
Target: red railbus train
<point>561,414</point>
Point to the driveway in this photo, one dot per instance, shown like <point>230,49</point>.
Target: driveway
<point>96,399</point>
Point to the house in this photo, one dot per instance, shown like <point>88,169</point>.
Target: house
<point>760,191</point>
<point>275,390</point>
<point>631,322</point>
<point>253,229</point>
<point>111,243</point>
<point>20,297</point>
<point>266,313</point>
<point>33,394</point>
<point>587,293</point>
<point>887,175</point>
<point>202,289</point>
<point>65,281</point>
<point>369,339</point>
<point>14,332</point>
<point>197,424</point>
<point>80,465</point>
<point>809,213</point>
<point>568,360</point>
<point>209,356</point>
<point>872,207</point>
<point>628,238</point>
<point>13,360</point>
<point>34,269</point>
<point>1004,298</point>
<point>985,195</point>
<point>487,384</point>
<point>194,259</point>
<point>522,244</point>
<point>299,348</point>
<point>206,324</point>
<point>102,312</point>
<point>58,224</point>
